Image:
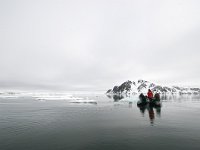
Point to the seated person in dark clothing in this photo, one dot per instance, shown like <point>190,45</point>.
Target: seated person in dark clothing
<point>157,97</point>
<point>142,98</point>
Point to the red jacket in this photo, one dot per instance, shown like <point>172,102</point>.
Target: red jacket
<point>150,94</point>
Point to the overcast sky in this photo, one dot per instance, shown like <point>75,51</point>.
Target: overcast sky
<point>95,44</point>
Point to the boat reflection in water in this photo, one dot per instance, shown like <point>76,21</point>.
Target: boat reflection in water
<point>150,111</point>
<point>149,108</point>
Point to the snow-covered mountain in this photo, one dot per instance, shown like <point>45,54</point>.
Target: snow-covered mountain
<point>142,86</point>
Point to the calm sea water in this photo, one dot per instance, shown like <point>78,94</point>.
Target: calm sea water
<point>29,124</point>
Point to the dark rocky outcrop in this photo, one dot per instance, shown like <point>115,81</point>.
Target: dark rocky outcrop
<point>142,86</point>
<point>110,90</point>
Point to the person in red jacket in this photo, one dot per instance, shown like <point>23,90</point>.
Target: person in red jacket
<point>150,95</point>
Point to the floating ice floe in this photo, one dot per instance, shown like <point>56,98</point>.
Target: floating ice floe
<point>87,100</point>
<point>44,96</point>
<point>84,101</point>
<point>57,98</point>
<point>52,96</point>
<point>9,96</point>
<point>130,99</point>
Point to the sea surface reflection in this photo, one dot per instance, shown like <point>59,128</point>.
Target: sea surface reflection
<point>111,124</point>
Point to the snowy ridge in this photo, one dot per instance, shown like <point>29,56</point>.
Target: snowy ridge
<point>142,86</point>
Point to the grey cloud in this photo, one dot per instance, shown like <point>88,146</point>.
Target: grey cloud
<point>96,44</point>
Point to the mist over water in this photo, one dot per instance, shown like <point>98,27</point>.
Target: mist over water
<point>30,123</point>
